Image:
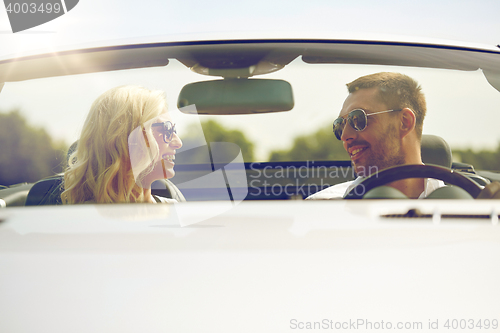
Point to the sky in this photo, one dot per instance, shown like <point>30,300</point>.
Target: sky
<point>94,21</point>
<point>98,23</point>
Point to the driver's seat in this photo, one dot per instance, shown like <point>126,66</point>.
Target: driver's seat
<point>435,151</point>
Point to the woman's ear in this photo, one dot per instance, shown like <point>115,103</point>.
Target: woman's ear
<point>407,121</point>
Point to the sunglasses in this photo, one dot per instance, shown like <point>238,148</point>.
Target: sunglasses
<point>167,129</point>
<point>356,118</point>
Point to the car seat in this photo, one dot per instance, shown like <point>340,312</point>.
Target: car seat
<point>48,191</point>
<point>435,150</point>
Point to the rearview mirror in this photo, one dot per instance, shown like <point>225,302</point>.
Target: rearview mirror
<point>236,96</point>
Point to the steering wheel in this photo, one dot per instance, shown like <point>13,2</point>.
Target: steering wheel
<point>414,171</point>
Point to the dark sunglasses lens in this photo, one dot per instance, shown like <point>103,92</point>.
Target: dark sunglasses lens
<point>169,131</point>
<point>357,119</point>
<point>167,127</point>
<point>338,127</point>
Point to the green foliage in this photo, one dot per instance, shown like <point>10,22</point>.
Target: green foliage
<point>215,132</point>
<point>481,160</point>
<point>27,153</point>
<point>319,146</point>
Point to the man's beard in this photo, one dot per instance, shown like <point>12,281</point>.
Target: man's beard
<point>388,156</point>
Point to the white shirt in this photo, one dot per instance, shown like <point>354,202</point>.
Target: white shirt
<point>339,191</point>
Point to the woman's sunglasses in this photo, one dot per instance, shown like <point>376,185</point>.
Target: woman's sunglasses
<point>356,118</point>
<point>167,129</point>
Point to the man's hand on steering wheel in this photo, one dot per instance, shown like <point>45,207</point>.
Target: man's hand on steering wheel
<point>490,191</point>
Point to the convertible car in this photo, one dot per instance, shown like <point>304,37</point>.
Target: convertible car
<point>241,250</point>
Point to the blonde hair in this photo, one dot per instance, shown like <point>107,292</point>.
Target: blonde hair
<point>100,170</point>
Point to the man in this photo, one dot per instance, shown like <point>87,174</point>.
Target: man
<point>380,125</point>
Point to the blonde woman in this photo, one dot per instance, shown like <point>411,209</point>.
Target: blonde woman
<point>128,141</point>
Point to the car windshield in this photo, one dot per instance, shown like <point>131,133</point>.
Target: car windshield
<point>263,155</point>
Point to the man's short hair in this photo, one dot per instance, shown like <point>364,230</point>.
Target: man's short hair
<point>396,91</point>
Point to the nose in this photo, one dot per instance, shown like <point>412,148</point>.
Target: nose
<point>349,133</point>
<point>176,142</point>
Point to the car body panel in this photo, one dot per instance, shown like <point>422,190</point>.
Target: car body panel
<point>129,268</point>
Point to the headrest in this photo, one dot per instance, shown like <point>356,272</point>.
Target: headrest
<point>435,151</point>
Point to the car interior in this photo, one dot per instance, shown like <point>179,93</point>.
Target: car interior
<point>435,151</point>
<point>220,79</point>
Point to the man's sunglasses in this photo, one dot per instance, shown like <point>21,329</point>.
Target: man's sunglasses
<point>356,118</point>
<point>167,129</point>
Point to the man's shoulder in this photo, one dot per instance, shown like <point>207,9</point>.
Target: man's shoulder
<point>332,192</point>
<point>339,191</point>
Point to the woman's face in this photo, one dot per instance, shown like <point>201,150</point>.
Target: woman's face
<point>141,153</point>
<point>168,141</point>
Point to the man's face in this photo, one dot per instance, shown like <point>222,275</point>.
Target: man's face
<point>378,146</point>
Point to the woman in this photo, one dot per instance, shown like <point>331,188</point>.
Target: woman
<point>127,142</point>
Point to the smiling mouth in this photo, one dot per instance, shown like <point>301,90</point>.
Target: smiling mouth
<point>169,158</point>
<point>357,152</point>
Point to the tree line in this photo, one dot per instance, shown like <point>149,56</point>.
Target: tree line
<point>29,154</point>
<point>481,160</point>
